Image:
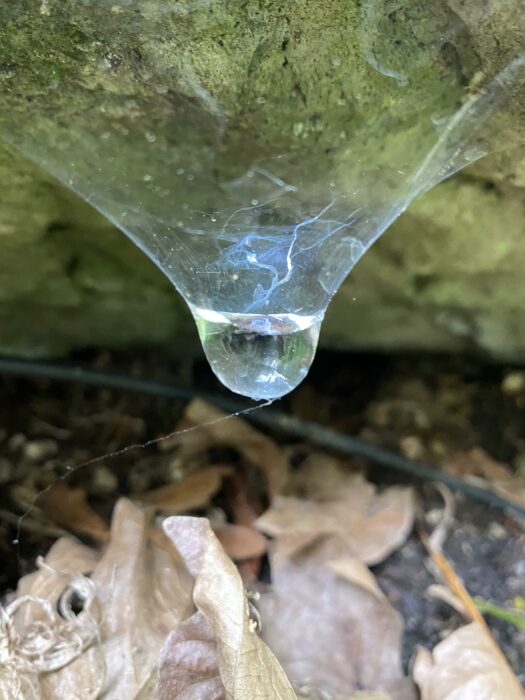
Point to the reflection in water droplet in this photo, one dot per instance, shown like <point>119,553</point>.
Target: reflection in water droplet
<point>263,357</point>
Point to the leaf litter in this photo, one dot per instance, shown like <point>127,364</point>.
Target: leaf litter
<point>157,609</point>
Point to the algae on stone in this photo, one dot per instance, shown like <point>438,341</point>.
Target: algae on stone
<point>447,275</point>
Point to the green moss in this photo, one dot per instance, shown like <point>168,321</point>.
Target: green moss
<point>68,278</point>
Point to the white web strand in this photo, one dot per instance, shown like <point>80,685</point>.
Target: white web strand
<point>72,469</point>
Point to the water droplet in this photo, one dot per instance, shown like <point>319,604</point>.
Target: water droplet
<point>260,356</point>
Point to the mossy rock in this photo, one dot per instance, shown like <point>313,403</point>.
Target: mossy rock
<point>447,276</point>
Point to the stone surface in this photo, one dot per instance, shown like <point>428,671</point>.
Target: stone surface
<point>447,275</point>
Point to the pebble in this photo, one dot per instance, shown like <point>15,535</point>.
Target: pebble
<point>412,447</point>
<point>513,383</point>
<point>104,481</point>
<point>38,450</point>
<point>16,442</point>
<point>496,531</point>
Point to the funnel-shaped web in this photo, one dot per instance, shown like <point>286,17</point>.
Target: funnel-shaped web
<point>254,152</point>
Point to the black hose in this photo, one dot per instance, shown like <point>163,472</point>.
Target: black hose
<point>269,418</point>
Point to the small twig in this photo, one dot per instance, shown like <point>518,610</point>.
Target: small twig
<point>33,525</point>
<point>454,583</point>
<point>456,586</point>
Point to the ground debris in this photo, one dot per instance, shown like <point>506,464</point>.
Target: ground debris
<point>164,613</point>
<point>476,465</point>
<point>371,525</point>
<point>465,666</point>
<point>331,627</point>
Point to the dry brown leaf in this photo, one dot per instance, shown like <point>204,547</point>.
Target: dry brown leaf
<point>465,666</point>
<point>372,525</point>
<point>312,695</point>
<point>241,542</point>
<point>353,571</point>
<point>140,593</point>
<point>145,591</point>
<point>67,557</point>
<point>333,635</point>
<point>255,447</point>
<point>68,507</point>
<point>443,593</point>
<point>496,475</point>
<point>42,634</point>
<point>194,491</point>
<point>320,476</point>
<point>188,665</point>
<point>247,667</point>
<point>460,592</point>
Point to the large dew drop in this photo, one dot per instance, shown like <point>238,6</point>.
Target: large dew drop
<point>263,357</point>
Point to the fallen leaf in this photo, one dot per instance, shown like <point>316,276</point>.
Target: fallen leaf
<point>372,525</point>
<point>456,586</point>
<point>255,447</point>
<point>353,571</point>
<point>320,476</point>
<point>443,593</point>
<point>465,666</point>
<point>140,593</point>
<point>333,633</point>
<point>69,508</point>
<point>247,667</point>
<point>67,557</point>
<point>309,694</point>
<point>498,476</point>
<point>45,637</point>
<point>241,542</point>
<point>188,664</point>
<point>194,491</point>
<point>145,591</point>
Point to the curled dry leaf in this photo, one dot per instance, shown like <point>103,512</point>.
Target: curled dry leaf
<point>496,475</point>
<point>320,475</point>
<point>188,665</point>
<point>246,666</point>
<point>145,591</point>
<point>69,508</point>
<point>241,542</point>
<point>255,447</point>
<point>194,491</point>
<point>66,558</point>
<point>40,632</point>
<point>360,695</point>
<point>140,592</point>
<point>332,629</point>
<point>465,666</point>
<point>372,525</point>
